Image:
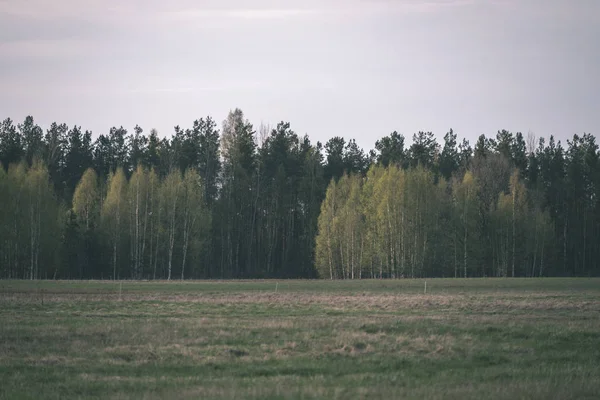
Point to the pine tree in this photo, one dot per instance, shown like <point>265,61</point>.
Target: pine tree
<point>11,144</point>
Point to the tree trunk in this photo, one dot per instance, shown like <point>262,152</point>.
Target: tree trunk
<point>514,198</point>
<point>156,243</point>
<point>31,240</point>
<point>171,242</point>
<point>465,250</point>
<point>143,246</point>
<point>565,246</point>
<point>114,259</point>
<point>466,230</point>
<point>455,257</point>
<point>137,229</point>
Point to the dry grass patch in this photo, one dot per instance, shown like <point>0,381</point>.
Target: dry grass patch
<point>430,346</point>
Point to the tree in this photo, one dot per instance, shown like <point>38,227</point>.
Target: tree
<point>505,142</point>
<point>114,214</point>
<point>519,154</point>
<point>155,209</point>
<point>465,155</point>
<point>238,193</point>
<point>326,240</point>
<point>552,175</point>
<point>424,150</point>
<point>16,220</point>
<point>390,150</point>
<point>511,212</point>
<point>241,205</point>
<point>392,222</point>
<point>466,235</point>
<point>78,157</point>
<point>449,158</point>
<point>355,160</point>
<point>208,161</point>
<point>195,215</point>
<point>350,230</point>
<point>540,240</point>
<point>582,164</point>
<point>41,223</point>
<point>11,146</point>
<point>138,196</point>
<point>101,156</point>
<point>334,162</point>
<point>422,213</point>
<point>119,150</point>
<point>55,151</point>
<point>32,136</point>
<point>5,225</point>
<point>86,199</point>
<point>483,147</point>
<point>86,209</point>
<point>311,191</point>
<point>171,198</point>
<point>370,199</point>
<point>492,174</point>
<point>153,150</point>
<point>137,148</point>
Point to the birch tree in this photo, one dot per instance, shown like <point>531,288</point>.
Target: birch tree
<point>509,217</point>
<point>139,209</point>
<point>5,192</point>
<point>195,219</point>
<point>42,218</point>
<point>16,240</point>
<point>86,199</point>
<point>466,237</point>
<point>37,179</point>
<point>171,198</point>
<point>155,206</point>
<point>326,241</point>
<point>86,206</point>
<point>373,236</point>
<point>114,214</point>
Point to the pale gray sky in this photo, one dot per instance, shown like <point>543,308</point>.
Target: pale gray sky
<point>354,68</point>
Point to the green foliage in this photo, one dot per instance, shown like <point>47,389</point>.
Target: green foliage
<point>126,205</point>
<point>29,220</point>
<point>326,238</point>
<point>195,219</point>
<point>404,224</point>
<point>86,199</point>
<point>113,218</point>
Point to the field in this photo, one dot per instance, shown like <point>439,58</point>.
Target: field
<point>463,339</point>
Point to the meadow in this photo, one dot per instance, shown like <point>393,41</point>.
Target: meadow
<point>461,339</point>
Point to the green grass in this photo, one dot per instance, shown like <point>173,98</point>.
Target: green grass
<point>464,339</point>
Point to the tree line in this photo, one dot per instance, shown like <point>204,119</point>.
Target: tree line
<point>240,202</point>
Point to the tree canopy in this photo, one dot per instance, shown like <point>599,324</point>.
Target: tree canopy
<point>206,202</point>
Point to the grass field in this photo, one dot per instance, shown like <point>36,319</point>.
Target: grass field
<point>463,339</point>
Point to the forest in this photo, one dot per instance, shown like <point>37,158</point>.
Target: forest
<point>237,201</point>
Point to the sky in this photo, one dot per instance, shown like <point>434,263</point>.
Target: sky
<point>353,68</point>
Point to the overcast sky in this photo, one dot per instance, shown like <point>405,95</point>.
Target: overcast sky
<point>354,68</point>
